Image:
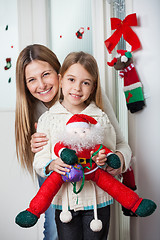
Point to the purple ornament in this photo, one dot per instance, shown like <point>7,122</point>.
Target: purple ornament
<point>75,174</point>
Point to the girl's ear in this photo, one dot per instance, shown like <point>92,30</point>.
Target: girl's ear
<point>60,80</point>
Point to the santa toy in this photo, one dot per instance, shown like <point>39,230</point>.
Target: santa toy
<point>80,139</point>
<point>132,85</point>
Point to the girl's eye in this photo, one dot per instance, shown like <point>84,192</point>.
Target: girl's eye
<point>86,83</point>
<point>75,132</point>
<point>84,131</point>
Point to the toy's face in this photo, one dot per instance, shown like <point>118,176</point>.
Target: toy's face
<point>79,132</point>
<point>120,64</point>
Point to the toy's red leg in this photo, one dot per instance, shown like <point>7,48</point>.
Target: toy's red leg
<point>40,203</point>
<point>124,195</point>
<point>129,181</point>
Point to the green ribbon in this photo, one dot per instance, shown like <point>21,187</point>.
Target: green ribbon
<point>83,179</point>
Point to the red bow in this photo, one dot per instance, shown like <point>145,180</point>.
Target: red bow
<point>123,27</point>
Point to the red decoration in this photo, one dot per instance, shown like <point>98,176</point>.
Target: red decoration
<point>80,33</point>
<point>8,65</point>
<point>123,28</point>
<point>132,85</point>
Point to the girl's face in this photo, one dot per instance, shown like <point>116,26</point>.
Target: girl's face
<point>42,81</point>
<point>77,85</point>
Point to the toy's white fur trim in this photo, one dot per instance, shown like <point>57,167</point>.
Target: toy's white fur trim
<point>59,153</point>
<point>77,124</point>
<point>91,171</point>
<point>109,154</point>
<point>132,86</point>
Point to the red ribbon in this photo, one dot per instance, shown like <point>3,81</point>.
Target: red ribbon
<point>123,27</point>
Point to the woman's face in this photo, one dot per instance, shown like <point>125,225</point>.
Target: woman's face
<point>42,81</point>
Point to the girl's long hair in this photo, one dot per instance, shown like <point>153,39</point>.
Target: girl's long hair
<point>90,65</point>
<point>25,102</point>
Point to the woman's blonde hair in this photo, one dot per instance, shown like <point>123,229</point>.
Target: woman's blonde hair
<point>90,65</point>
<point>25,102</point>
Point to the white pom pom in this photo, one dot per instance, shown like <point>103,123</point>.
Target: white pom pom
<point>96,225</point>
<point>124,59</point>
<point>65,216</point>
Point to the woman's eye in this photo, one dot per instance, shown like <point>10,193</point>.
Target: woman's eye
<point>46,74</point>
<point>30,80</point>
<point>84,131</point>
<point>71,79</point>
<point>75,132</point>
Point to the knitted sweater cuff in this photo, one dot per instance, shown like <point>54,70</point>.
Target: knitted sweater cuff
<point>45,168</point>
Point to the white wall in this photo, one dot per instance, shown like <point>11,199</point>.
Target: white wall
<point>16,187</point>
<point>145,125</point>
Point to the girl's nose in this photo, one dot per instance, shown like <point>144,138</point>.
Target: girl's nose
<point>77,86</point>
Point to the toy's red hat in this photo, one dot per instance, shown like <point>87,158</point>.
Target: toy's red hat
<point>81,120</point>
<point>122,52</point>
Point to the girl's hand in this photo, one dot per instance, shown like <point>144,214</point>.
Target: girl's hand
<point>58,166</point>
<point>38,140</point>
<point>100,159</point>
<point>118,171</point>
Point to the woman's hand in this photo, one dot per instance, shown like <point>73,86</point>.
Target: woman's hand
<point>38,140</point>
<point>118,171</point>
<point>58,166</point>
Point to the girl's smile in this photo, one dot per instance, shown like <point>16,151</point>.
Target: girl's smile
<point>77,85</point>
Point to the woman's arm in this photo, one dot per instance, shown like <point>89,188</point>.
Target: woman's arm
<point>122,148</point>
<point>38,141</point>
<point>44,156</point>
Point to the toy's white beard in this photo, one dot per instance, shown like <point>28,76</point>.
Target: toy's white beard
<point>95,136</point>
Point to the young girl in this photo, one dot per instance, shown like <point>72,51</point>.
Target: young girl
<point>79,81</point>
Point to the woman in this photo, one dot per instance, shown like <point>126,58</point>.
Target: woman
<point>36,90</point>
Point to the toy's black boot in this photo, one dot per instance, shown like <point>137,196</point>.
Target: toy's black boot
<point>26,219</point>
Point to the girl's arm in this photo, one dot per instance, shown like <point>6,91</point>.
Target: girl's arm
<point>58,166</point>
<point>41,145</point>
